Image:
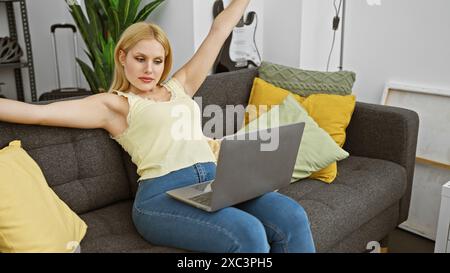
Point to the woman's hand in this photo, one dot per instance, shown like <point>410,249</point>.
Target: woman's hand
<point>230,16</point>
<point>214,144</point>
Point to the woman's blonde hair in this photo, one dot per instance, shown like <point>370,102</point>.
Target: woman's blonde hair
<point>129,38</point>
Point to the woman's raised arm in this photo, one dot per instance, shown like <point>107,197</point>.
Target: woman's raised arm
<point>90,112</point>
<point>229,17</point>
<point>195,71</point>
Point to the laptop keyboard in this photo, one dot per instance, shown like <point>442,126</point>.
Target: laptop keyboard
<point>204,199</point>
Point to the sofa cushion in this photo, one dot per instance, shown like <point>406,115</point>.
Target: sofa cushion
<point>364,188</point>
<point>83,167</point>
<point>307,82</point>
<point>111,229</point>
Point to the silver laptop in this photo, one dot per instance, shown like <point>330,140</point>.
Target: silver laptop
<point>247,167</point>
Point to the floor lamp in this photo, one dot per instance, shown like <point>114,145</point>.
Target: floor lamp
<point>341,63</point>
<point>338,20</point>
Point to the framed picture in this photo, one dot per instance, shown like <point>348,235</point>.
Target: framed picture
<point>432,168</point>
<point>433,108</point>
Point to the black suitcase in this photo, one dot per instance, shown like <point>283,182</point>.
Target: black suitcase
<point>1,96</point>
<point>61,93</point>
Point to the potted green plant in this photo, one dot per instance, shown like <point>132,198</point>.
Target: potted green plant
<point>100,25</point>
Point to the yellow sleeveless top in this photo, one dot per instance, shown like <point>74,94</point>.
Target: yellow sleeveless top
<point>164,136</point>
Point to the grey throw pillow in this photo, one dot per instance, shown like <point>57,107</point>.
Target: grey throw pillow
<point>307,82</point>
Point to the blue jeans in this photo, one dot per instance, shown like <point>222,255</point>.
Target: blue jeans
<point>272,222</point>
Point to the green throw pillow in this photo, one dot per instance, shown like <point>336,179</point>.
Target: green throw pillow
<point>306,82</point>
<point>317,149</point>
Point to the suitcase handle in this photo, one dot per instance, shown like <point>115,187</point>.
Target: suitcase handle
<point>55,26</point>
<point>75,47</point>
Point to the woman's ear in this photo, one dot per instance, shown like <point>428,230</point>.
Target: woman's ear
<point>122,57</point>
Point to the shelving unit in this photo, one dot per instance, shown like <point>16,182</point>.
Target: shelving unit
<point>28,63</point>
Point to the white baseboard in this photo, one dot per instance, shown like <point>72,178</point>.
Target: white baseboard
<point>411,229</point>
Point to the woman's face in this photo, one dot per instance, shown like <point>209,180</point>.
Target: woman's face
<point>143,65</point>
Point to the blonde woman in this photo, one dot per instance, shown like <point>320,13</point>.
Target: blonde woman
<point>137,114</point>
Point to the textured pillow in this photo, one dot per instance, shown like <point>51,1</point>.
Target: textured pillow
<point>306,82</point>
<point>32,217</point>
<point>317,149</point>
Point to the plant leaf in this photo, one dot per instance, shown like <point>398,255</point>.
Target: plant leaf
<point>82,23</point>
<point>145,11</point>
<point>100,73</point>
<point>89,55</point>
<point>116,25</point>
<point>115,4</point>
<point>89,75</point>
<point>134,5</point>
<point>95,25</point>
<point>124,9</point>
<point>112,19</point>
<point>108,61</point>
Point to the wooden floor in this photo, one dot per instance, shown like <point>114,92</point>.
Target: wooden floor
<point>401,241</point>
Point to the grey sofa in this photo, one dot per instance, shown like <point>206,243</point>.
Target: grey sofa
<point>369,198</point>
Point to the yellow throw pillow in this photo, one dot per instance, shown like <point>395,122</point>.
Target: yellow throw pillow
<point>331,112</point>
<point>264,95</point>
<point>32,217</point>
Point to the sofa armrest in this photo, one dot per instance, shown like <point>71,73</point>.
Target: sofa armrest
<point>389,133</point>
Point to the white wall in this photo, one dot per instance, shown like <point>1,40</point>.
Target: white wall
<point>176,18</point>
<point>403,40</point>
<point>282,31</point>
<point>203,18</point>
<point>317,35</point>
